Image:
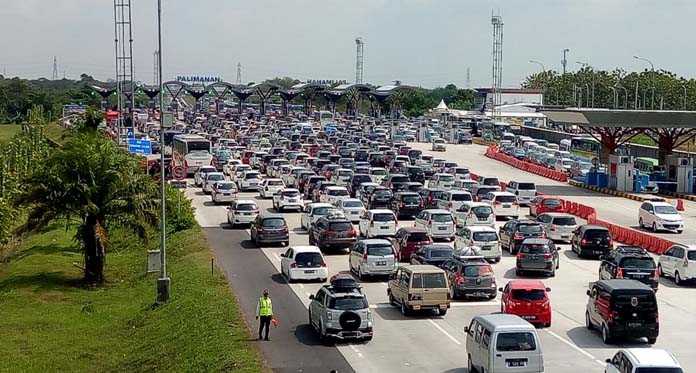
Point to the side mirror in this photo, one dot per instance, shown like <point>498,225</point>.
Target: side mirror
<point>392,276</point>
<point>282,255</point>
<point>588,292</point>
<point>558,248</point>
<point>548,289</point>
<point>500,290</point>
<point>608,361</point>
<point>311,296</point>
<point>466,329</point>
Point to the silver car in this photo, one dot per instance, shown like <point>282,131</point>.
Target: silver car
<point>558,226</point>
<point>372,257</point>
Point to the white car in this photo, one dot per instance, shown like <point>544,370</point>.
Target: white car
<point>441,181</point>
<point>439,145</point>
<point>636,360</point>
<point>377,174</point>
<point>342,176</point>
<point>363,187</point>
<point>210,179</point>
<point>377,223</point>
<point>269,187</point>
<point>660,215</point>
<point>678,262</point>
<point>451,200</point>
<point>525,191</point>
<point>475,213</point>
<point>238,170</point>
<point>558,226</point>
<point>242,211</point>
<point>333,193</point>
<point>228,168</point>
<point>289,176</point>
<point>467,184</point>
<point>312,212</point>
<point>224,191</point>
<point>485,238</point>
<point>303,263</point>
<point>199,176</point>
<point>249,180</point>
<point>273,169</point>
<point>438,223</point>
<point>288,199</point>
<point>461,173</point>
<point>504,203</point>
<point>352,208</point>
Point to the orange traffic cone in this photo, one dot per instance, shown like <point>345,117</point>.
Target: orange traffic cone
<point>680,205</point>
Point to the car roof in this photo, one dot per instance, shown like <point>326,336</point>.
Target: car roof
<point>501,193</point>
<point>376,241</point>
<point>291,190</point>
<point>422,268</point>
<point>479,228</point>
<point>414,230</point>
<point>653,357</point>
<point>245,201</point>
<point>527,284</point>
<point>558,214</point>
<point>305,249</point>
<point>271,215</point>
<point>659,203</point>
<point>438,211</point>
<point>335,187</point>
<point>593,226</point>
<point>381,211</point>
<point>502,321</point>
<point>537,241</point>
<point>320,204</point>
<point>624,284</point>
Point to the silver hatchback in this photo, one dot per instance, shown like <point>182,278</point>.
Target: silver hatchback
<point>373,257</point>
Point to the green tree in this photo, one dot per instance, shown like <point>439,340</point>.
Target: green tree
<point>92,184</point>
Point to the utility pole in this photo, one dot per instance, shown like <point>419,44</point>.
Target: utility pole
<point>564,61</point>
<point>635,105</point>
<point>163,282</point>
<point>359,60</point>
<point>652,73</point>
<point>239,73</point>
<point>55,68</point>
<point>497,22</point>
<point>155,77</point>
<point>468,78</point>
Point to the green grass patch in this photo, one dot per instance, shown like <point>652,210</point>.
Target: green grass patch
<point>51,322</point>
<point>7,131</point>
<point>643,140</point>
<point>55,132</point>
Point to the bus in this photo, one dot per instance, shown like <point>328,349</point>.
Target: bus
<point>325,117</point>
<point>191,152</point>
<point>589,148</point>
<point>646,165</point>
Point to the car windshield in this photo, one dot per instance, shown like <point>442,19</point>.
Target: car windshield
<point>345,173</point>
<point>667,210</point>
<point>535,249</point>
<point>461,171</point>
<point>275,182</point>
<point>526,186</point>
<point>490,181</point>
<point>216,177</point>
<point>337,192</point>
<point>246,207</point>
<point>516,341</point>
<point>383,193</point>
<point>380,250</point>
<point>506,199</point>
<point>321,210</point>
<point>566,220</point>
<point>529,228</point>
<point>461,197</point>
<point>429,280</point>
<point>442,218</point>
<point>478,270</point>
<point>423,237</point>
<point>528,294</point>
<point>400,179</point>
<point>291,193</point>
<point>308,260</point>
<point>410,199</point>
<point>340,226</point>
<point>383,217</point>
<point>348,303</point>
<point>352,204</point>
<point>225,186</point>
<point>273,222</point>
<point>642,263</point>
<point>597,233</point>
<point>552,203</point>
<point>441,253</point>
<point>485,236</point>
<point>446,178</point>
<point>482,210</point>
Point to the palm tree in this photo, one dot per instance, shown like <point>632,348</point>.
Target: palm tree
<point>94,185</point>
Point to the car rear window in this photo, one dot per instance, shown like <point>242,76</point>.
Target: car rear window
<point>526,186</point>
<point>482,211</point>
<point>491,181</point>
<point>418,237</point>
<point>506,199</point>
<point>340,226</point>
<point>528,294</point>
<point>551,203</point>
<point>566,220</point>
<point>380,250</point>
<point>308,260</point>
<point>447,178</point>
<point>225,186</point>
<point>352,204</point>
<point>461,197</point>
<point>378,172</point>
<point>348,303</point>
<point>441,253</point>
<point>337,192</point>
<point>357,179</point>
<point>249,176</point>
<point>441,218</point>
<point>646,301</point>
<point>642,263</point>
<point>275,182</point>
<point>485,236</point>
<point>273,222</point>
<point>529,228</point>
<point>383,217</point>
<point>479,270</point>
<point>400,179</point>
<point>535,248</point>
<point>597,233</point>
<point>428,280</point>
<point>321,210</point>
<point>658,370</point>
<point>246,207</point>
<point>383,193</point>
<point>517,341</point>
<point>216,177</point>
<point>292,193</point>
<point>410,198</point>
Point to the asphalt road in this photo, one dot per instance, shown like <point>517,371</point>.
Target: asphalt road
<point>428,342</point>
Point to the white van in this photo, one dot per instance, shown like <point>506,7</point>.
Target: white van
<point>501,343</point>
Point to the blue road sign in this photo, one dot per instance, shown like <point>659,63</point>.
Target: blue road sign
<point>129,133</point>
<point>139,146</point>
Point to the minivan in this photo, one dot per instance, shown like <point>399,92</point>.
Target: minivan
<point>503,343</point>
<point>419,287</point>
<point>270,228</point>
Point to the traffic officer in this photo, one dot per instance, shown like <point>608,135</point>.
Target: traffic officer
<point>264,310</point>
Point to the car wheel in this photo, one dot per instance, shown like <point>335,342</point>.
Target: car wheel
<point>606,337</point>
<point>392,301</point>
<point>553,273</point>
<point>659,271</point>
<point>360,274</point>
<point>323,338</point>
<point>470,365</point>
<point>654,227</point>
<point>677,278</point>
<point>256,241</point>
<point>640,222</point>
<point>652,340</point>
<point>443,312</point>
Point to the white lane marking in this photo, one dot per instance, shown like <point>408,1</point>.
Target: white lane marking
<point>302,286</point>
<point>276,257</point>
<point>445,332</point>
<point>576,348</point>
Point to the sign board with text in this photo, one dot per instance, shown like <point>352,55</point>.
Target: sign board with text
<point>178,184</point>
<point>139,146</point>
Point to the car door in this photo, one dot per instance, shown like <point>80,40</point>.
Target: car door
<point>318,307</point>
<point>677,260</point>
<point>356,255</point>
<point>649,214</point>
<point>419,222</point>
<point>592,305</point>
<point>504,233</point>
<point>286,260</point>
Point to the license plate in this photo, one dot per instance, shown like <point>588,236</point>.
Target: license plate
<point>482,219</point>
<point>486,247</point>
<point>247,213</point>
<point>565,236</point>
<point>310,272</point>
<point>354,212</point>
<point>529,317</point>
<point>442,228</point>
<point>292,200</point>
<point>384,228</point>
<point>253,184</point>
<point>381,263</point>
<point>597,252</point>
<point>634,325</point>
<point>507,206</point>
<point>516,363</point>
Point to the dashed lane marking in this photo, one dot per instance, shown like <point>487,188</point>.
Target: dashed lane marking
<point>576,348</point>
<point>444,332</point>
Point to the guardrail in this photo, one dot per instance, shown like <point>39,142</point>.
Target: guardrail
<point>492,152</point>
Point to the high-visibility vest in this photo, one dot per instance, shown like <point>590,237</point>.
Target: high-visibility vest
<point>265,307</point>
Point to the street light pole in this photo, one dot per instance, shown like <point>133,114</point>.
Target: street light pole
<point>543,80</point>
<point>684,96</point>
<point>625,96</point>
<point>652,73</point>
<point>564,62</point>
<point>587,65</point>
<point>163,282</point>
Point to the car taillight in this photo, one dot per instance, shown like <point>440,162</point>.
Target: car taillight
<point>552,228</point>
<point>293,265</point>
<point>323,264</point>
<point>352,233</point>
<point>516,204</point>
<point>372,223</point>
<point>430,198</point>
<point>686,262</point>
<point>548,256</point>
<point>365,256</point>
<point>449,205</point>
<point>619,273</point>
<point>583,241</point>
<point>401,204</point>
<point>545,304</point>
<point>430,223</point>
<point>611,242</point>
<point>470,215</point>
<point>329,233</point>
<point>520,255</point>
<point>449,296</point>
<point>518,236</point>
<point>496,203</point>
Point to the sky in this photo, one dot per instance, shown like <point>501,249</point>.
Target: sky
<point>418,42</point>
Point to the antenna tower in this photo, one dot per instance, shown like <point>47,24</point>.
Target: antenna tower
<point>125,85</point>
<point>55,68</point>
<point>155,69</point>
<point>497,22</point>
<point>359,60</point>
<point>239,73</point>
<point>468,78</point>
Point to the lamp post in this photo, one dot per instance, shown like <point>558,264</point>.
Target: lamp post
<point>652,73</point>
<point>625,96</point>
<point>613,90</point>
<point>587,65</point>
<point>564,61</point>
<point>163,282</point>
<point>684,96</point>
<point>543,80</point>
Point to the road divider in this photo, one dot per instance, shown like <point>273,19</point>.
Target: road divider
<point>492,152</point>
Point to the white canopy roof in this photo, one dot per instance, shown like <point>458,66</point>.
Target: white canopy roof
<point>441,105</point>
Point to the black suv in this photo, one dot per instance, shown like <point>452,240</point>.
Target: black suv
<point>514,232</point>
<point>415,174</point>
<point>470,277</point>
<point>393,181</point>
<point>332,230</point>
<point>591,240</point>
<point>355,182</point>
<point>630,262</point>
<point>430,197</point>
<point>622,309</point>
<point>269,228</point>
<point>406,204</point>
<point>379,197</point>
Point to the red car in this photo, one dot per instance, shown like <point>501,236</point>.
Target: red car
<point>409,239</point>
<point>528,299</point>
<point>246,155</point>
<point>542,204</point>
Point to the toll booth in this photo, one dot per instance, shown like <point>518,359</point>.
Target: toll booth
<point>621,173</point>
<point>681,171</point>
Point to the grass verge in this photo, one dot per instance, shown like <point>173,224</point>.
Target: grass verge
<point>7,131</point>
<point>50,322</point>
<point>55,132</point>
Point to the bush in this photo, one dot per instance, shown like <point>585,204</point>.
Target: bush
<point>180,212</point>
